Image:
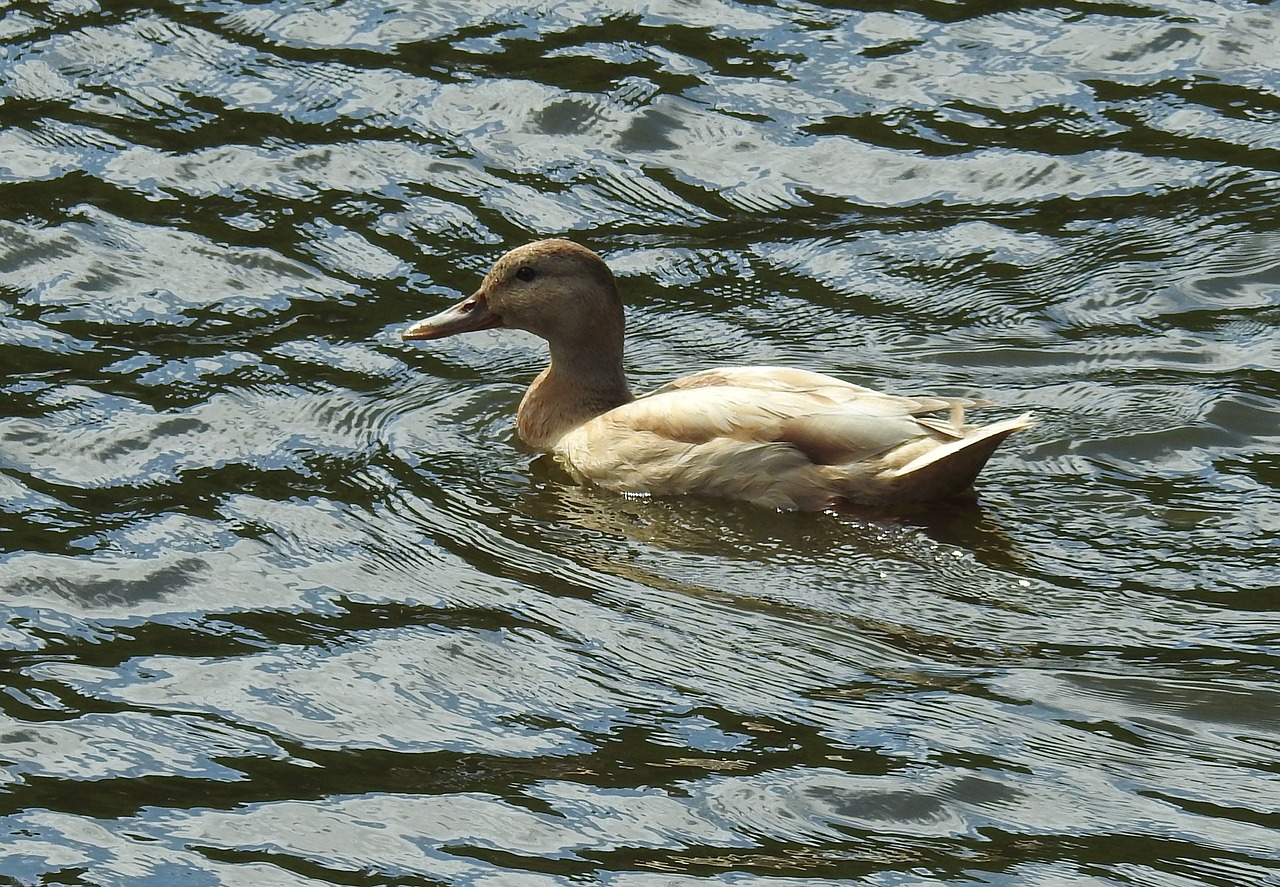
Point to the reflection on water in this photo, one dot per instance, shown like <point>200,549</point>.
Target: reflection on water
<point>285,603</point>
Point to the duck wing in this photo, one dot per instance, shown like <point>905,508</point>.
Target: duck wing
<point>823,388</point>
<point>819,427</point>
<point>767,378</point>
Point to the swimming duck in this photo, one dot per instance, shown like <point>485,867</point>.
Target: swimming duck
<point>778,437</point>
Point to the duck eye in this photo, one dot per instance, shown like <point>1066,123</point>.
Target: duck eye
<point>526,273</point>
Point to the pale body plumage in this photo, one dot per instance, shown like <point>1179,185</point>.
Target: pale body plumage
<point>773,436</point>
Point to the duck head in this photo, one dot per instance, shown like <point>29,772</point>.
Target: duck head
<point>555,289</point>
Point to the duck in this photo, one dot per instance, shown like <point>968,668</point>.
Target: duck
<point>774,436</point>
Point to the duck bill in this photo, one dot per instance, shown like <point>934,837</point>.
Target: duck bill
<point>468,315</point>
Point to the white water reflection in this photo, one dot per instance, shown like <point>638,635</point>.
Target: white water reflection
<point>283,602</point>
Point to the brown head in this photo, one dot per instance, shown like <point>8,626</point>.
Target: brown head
<point>555,289</point>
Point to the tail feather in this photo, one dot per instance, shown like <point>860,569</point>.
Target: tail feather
<point>952,467</point>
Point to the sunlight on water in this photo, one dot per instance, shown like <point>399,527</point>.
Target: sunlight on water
<point>285,603</point>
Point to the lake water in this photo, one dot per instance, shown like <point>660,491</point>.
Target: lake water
<point>284,602</point>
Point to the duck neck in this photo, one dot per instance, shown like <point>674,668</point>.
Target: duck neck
<point>579,384</point>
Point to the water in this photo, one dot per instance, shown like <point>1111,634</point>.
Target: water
<point>285,604</point>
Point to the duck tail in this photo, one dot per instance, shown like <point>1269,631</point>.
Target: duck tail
<point>952,467</point>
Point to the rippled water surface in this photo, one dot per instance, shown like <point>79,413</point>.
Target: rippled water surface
<point>284,603</point>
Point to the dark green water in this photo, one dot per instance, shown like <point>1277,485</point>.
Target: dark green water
<point>284,604</point>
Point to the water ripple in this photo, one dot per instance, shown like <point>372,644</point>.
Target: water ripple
<point>282,600</point>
